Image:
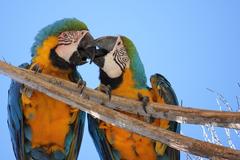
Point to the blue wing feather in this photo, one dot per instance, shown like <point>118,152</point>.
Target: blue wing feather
<point>104,149</point>
<point>167,93</point>
<point>15,117</point>
<point>74,137</point>
<point>81,122</point>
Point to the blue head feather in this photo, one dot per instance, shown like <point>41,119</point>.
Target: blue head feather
<point>136,64</point>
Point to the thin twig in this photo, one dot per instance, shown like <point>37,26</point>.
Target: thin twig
<point>238,104</point>
<point>227,131</point>
<point>205,135</point>
<point>222,100</point>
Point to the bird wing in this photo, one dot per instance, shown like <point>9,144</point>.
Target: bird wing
<point>74,138</point>
<point>15,117</point>
<point>164,90</point>
<point>104,149</point>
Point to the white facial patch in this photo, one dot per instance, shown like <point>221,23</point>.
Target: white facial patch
<point>68,43</point>
<point>111,67</point>
<point>116,61</point>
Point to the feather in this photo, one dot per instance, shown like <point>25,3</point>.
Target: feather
<point>164,90</point>
<point>15,117</point>
<point>98,135</point>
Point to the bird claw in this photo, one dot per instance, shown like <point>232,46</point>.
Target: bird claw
<point>145,101</point>
<point>36,68</point>
<point>149,119</point>
<point>26,91</point>
<point>106,89</point>
<point>81,84</point>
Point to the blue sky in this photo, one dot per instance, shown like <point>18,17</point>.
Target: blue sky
<point>195,44</point>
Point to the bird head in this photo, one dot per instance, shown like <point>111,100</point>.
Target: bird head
<point>72,42</point>
<point>112,56</point>
<point>115,55</point>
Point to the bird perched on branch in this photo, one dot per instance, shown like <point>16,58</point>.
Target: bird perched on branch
<point>41,127</point>
<point>122,74</point>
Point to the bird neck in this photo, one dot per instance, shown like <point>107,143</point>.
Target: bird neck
<point>125,81</point>
<point>128,80</point>
<point>125,86</point>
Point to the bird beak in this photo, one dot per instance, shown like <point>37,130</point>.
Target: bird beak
<point>107,43</point>
<point>85,50</point>
<point>104,45</point>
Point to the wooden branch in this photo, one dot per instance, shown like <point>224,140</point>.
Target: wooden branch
<point>165,111</point>
<point>215,158</point>
<point>170,112</point>
<point>172,139</point>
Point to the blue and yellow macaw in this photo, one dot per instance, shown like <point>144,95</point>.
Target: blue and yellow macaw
<point>41,127</point>
<point>122,70</point>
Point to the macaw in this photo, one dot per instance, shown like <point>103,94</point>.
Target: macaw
<point>122,74</point>
<point>41,127</point>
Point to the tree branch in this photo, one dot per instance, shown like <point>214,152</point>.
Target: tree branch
<point>57,90</point>
<point>156,110</point>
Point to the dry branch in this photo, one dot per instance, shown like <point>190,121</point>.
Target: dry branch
<point>60,92</point>
<point>170,112</point>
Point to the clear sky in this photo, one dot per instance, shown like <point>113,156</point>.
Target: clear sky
<point>195,44</point>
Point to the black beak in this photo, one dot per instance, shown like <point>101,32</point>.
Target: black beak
<point>85,50</point>
<point>107,43</point>
<point>104,46</point>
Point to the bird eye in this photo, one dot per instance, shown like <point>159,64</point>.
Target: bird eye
<point>119,43</point>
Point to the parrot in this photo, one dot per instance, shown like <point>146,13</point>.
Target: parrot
<point>41,127</point>
<point>122,73</point>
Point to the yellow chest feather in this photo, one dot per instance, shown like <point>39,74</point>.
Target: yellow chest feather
<point>130,146</point>
<point>127,89</point>
<point>48,118</point>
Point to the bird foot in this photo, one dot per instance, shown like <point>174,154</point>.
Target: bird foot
<point>26,91</point>
<point>106,89</point>
<point>145,101</point>
<point>36,68</point>
<point>81,84</point>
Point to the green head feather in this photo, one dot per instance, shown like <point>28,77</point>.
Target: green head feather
<point>67,24</point>
<point>135,63</point>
